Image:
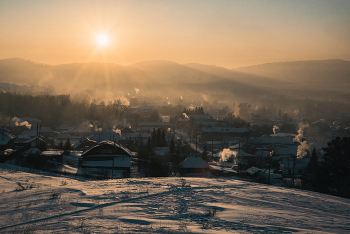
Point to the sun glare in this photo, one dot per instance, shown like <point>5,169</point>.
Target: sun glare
<point>102,39</point>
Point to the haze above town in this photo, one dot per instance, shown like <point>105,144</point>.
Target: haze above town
<point>230,34</point>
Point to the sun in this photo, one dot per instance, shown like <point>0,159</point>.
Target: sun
<point>102,39</point>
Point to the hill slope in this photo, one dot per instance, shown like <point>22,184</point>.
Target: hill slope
<point>44,202</point>
<point>326,74</point>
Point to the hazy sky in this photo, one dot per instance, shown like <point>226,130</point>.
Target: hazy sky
<point>229,33</point>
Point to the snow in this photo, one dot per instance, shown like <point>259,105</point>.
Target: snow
<point>40,202</point>
<point>194,162</point>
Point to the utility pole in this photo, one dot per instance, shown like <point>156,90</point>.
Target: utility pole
<point>293,171</point>
<point>196,145</point>
<point>270,159</point>
<point>212,148</point>
<point>113,156</point>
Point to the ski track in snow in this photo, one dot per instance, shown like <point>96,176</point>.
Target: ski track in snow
<point>59,204</point>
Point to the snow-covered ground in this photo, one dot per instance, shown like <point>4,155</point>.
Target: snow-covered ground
<point>41,202</point>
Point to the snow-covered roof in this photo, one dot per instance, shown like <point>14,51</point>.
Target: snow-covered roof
<point>64,127</point>
<point>253,170</point>
<point>107,142</point>
<point>286,140</point>
<point>194,162</point>
<point>5,136</point>
<point>27,134</point>
<point>85,140</point>
<point>221,130</point>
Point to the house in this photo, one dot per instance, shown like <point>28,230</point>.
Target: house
<point>80,131</point>
<point>182,123</point>
<point>149,126</point>
<point>298,164</point>
<point>47,132</point>
<point>194,165</point>
<point>106,159</point>
<point>111,136</point>
<point>217,133</point>
<point>63,128</point>
<point>35,142</point>
<point>84,144</point>
<point>140,137</point>
<point>7,140</point>
<point>26,135</point>
<point>243,157</point>
<point>53,155</point>
<point>126,129</point>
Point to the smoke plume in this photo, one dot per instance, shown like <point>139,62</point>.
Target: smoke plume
<point>19,122</point>
<point>275,129</point>
<point>226,154</point>
<point>303,147</point>
<point>300,135</point>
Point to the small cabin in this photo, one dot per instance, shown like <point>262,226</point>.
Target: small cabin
<point>194,165</point>
<point>106,159</point>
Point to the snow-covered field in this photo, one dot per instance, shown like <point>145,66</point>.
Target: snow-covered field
<point>40,202</point>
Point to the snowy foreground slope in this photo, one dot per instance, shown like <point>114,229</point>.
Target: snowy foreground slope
<point>40,202</point>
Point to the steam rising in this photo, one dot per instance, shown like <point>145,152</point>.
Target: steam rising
<point>300,135</point>
<point>19,122</point>
<point>275,129</point>
<point>226,154</point>
<point>303,147</point>
<point>137,90</point>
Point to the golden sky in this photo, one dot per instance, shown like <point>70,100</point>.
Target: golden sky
<point>229,33</point>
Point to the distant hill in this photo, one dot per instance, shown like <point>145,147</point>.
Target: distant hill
<point>170,79</point>
<point>253,79</point>
<point>153,77</point>
<point>326,74</point>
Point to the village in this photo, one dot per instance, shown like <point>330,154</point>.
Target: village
<point>166,140</point>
